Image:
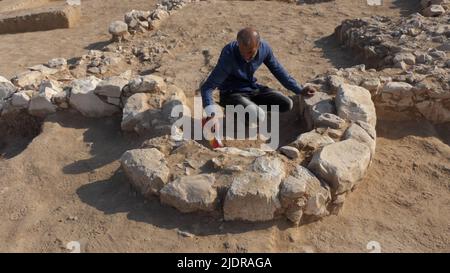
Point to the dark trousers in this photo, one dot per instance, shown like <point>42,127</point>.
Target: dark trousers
<point>263,96</point>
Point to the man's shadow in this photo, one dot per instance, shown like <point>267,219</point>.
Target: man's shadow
<point>105,138</point>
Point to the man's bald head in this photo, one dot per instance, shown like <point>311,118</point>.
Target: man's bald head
<point>248,37</point>
<point>248,40</point>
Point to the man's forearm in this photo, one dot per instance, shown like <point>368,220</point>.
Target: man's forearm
<point>207,97</point>
<point>207,100</point>
<point>298,89</point>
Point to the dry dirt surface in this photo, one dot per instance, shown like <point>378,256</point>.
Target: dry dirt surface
<point>66,184</point>
<point>21,50</point>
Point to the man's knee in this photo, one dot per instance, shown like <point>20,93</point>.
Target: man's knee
<point>285,104</point>
<point>272,97</point>
<point>233,99</point>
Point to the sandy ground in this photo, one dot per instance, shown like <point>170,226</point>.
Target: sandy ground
<point>66,185</point>
<point>22,50</point>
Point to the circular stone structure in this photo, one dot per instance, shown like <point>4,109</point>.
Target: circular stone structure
<point>307,179</point>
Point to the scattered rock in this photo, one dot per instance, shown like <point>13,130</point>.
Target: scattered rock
<point>270,166</point>
<point>6,88</point>
<point>174,97</point>
<point>20,99</point>
<point>250,152</point>
<point>433,11</point>
<point>341,164</point>
<point>45,70</point>
<point>147,84</point>
<point>146,169</point>
<point>93,70</point>
<point>111,87</point>
<point>28,79</point>
<point>312,141</point>
<point>163,143</point>
<point>252,197</point>
<point>334,82</point>
<point>159,14</point>
<point>57,63</point>
<point>373,85</point>
<point>190,193</point>
<point>407,58</point>
<point>294,187</point>
<point>185,234</point>
<point>359,134</point>
<point>438,54</point>
<point>302,193</point>
<point>139,112</point>
<point>311,108</point>
<point>398,89</point>
<point>316,205</point>
<point>355,103</point>
<point>330,120</point>
<point>424,59</point>
<point>119,30</point>
<point>290,152</point>
<point>41,104</point>
<point>54,85</point>
<point>154,24</point>
<point>83,99</point>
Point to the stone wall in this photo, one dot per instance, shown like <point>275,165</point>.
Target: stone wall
<point>434,8</point>
<point>411,55</point>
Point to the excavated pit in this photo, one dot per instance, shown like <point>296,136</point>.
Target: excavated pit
<point>17,130</point>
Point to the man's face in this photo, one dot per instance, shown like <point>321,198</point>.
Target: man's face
<point>248,52</point>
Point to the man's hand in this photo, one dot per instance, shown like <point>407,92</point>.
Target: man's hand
<point>213,125</point>
<point>309,91</point>
<point>215,122</point>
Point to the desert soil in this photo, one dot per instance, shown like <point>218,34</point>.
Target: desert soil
<point>66,184</point>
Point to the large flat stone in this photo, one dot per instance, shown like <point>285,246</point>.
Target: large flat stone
<point>302,193</point>
<point>147,84</point>
<point>41,104</point>
<point>146,170</point>
<point>354,103</point>
<point>252,197</point>
<point>357,133</point>
<point>341,164</point>
<point>312,141</point>
<point>84,99</point>
<point>111,87</point>
<point>312,107</point>
<point>140,111</point>
<point>190,193</point>
<point>6,88</point>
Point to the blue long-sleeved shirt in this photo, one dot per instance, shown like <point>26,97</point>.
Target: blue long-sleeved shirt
<point>233,73</point>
